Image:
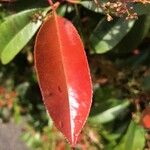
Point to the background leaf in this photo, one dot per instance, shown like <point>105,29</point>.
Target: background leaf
<point>142,9</point>
<point>91,6</point>
<point>134,138</point>
<point>16,31</point>
<point>142,25</point>
<point>109,114</point>
<point>108,34</point>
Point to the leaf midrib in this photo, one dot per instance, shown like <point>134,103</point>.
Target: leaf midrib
<point>65,79</point>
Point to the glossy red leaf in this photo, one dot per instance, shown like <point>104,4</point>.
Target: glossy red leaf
<point>63,75</point>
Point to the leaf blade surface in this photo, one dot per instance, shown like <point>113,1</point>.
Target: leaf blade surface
<point>63,75</point>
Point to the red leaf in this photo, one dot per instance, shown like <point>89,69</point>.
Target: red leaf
<point>145,118</point>
<point>63,75</point>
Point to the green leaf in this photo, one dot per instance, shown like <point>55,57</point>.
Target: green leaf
<point>142,9</point>
<point>91,6</point>
<point>108,34</point>
<point>146,83</point>
<point>104,100</point>
<point>142,25</point>
<point>134,138</point>
<point>16,31</point>
<point>109,114</point>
